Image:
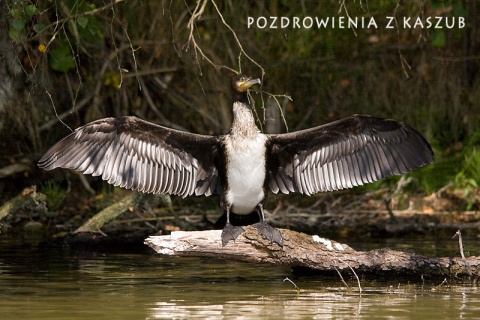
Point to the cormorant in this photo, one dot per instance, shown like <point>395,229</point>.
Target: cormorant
<point>243,164</point>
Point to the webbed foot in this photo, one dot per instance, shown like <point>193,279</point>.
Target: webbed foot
<point>269,232</point>
<point>230,232</point>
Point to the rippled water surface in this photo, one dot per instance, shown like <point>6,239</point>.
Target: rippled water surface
<point>135,283</point>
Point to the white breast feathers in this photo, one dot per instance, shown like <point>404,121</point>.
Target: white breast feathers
<point>245,172</point>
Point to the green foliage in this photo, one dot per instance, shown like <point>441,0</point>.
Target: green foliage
<point>39,27</point>
<point>437,175</point>
<point>467,181</point>
<point>82,28</point>
<point>87,26</point>
<point>88,29</point>
<point>55,194</point>
<point>61,58</point>
<point>438,38</point>
<point>472,165</point>
<point>469,189</point>
<point>20,11</point>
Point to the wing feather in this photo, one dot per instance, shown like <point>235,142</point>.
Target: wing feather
<point>135,154</point>
<point>349,152</point>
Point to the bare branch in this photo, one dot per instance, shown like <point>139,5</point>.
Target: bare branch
<point>460,245</point>
<point>237,40</point>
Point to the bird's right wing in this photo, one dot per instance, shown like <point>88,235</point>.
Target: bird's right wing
<point>139,155</point>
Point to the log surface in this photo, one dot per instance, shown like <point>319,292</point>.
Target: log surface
<point>29,199</point>
<point>301,250</point>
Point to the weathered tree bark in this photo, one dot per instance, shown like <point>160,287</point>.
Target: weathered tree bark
<point>133,199</point>
<point>109,213</point>
<point>28,198</point>
<point>15,168</point>
<point>301,250</point>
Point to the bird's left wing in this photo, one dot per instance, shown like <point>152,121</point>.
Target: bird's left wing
<point>343,154</point>
<point>139,155</point>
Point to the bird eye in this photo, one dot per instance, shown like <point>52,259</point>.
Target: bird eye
<point>243,79</point>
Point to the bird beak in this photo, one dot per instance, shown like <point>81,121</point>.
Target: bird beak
<point>245,85</point>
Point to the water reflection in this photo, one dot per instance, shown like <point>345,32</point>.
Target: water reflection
<point>322,304</point>
<point>137,284</point>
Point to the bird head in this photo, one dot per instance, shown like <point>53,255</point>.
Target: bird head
<point>241,82</point>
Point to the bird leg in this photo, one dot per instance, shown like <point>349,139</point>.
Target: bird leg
<point>267,230</point>
<point>230,232</point>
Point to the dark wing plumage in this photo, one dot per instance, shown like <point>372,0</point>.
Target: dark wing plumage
<point>343,154</point>
<point>135,154</point>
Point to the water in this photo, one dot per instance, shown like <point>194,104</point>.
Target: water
<point>135,283</point>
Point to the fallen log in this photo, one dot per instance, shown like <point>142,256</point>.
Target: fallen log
<point>15,168</point>
<point>95,223</point>
<point>29,199</point>
<point>128,203</point>
<point>313,252</point>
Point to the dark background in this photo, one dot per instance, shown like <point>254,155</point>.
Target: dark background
<point>170,62</point>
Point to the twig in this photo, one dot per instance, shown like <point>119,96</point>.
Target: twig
<point>342,5</point>
<point>76,16</point>
<point>60,117</point>
<point>287,279</point>
<point>402,59</point>
<point>120,69</point>
<point>460,245</point>
<point>341,277</point>
<point>237,40</point>
<point>180,97</point>
<point>275,96</point>
<point>144,220</point>
<point>197,13</point>
<point>151,71</point>
<point>85,183</point>
<point>358,279</point>
<point>404,63</point>
<point>150,103</point>
<point>55,110</point>
<point>440,285</point>
<point>438,194</point>
<point>95,95</point>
